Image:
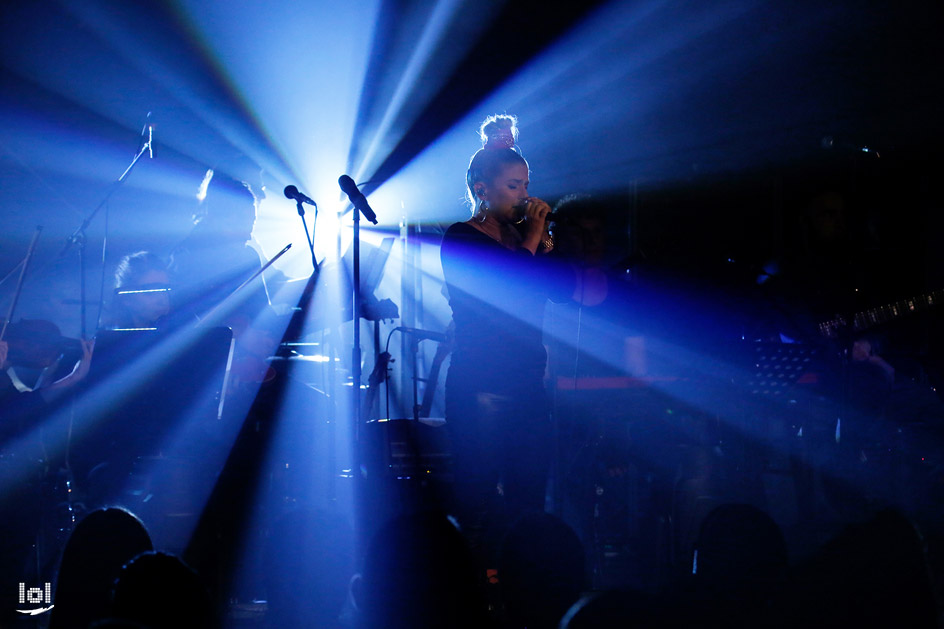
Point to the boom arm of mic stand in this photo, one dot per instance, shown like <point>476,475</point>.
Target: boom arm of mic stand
<point>78,234</point>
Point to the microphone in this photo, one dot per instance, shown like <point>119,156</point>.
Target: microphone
<point>291,192</point>
<point>357,198</point>
<point>550,217</point>
<point>420,334</point>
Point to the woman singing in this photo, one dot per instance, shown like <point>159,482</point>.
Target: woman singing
<point>498,279</point>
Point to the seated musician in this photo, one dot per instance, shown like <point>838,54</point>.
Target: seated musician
<point>142,291</point>
<point>43,352</point>
<point>22,456</point>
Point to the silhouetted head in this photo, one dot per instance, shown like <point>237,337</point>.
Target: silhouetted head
<point>116,623</point>
<point>740,552</point>
<point>619,609</point>
<point>826,214</point>
<point>142,284</point>
<point>102,542</point>
<point>227,207</point>
<point>541,571</point>
<point>418,573</point>
<point>580,232</point>
<point>874,574</point>
<point>160,591</point>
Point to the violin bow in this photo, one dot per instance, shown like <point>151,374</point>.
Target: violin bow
<point>248,280</point>
<point>19,282</point>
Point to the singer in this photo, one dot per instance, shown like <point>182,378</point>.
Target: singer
<point>498,280</point>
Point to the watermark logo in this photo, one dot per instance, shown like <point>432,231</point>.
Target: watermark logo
<point>36,596</point>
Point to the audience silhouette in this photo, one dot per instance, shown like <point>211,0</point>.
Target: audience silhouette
<point>418,573</point>
<point>100,545</point>
<point>161,592</point>
<point>541,572</point>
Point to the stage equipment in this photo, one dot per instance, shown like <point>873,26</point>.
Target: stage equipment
<point>776,368</point>
<point>360,203</point>
<point>416,335</point>
<point>150,394</point>
<point>291,192</point>
<point>861,321</point>
<point>432,380</point>
<point>78,236</point>
<point>550,217</point>
<point>357,198</point>
<point>405,449</point>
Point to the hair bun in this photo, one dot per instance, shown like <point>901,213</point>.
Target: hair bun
<point>499,132</point>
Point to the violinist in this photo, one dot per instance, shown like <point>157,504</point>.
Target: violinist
<point>31,346</point>
<point>35,345</point>
<point>216,257</point>
<point>212,262</point>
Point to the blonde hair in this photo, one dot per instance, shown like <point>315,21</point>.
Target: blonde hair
<point>497,125</point>
<point>215,184</point>
<point>499,135</point>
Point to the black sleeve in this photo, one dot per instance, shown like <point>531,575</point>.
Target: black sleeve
<point>482,267</point>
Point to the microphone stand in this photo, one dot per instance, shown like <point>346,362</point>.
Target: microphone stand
<point>297,322</point>
<point>311,237</point>
<point>78,236</point>
<point>356,350</point>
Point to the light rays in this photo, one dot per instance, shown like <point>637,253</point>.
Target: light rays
<point>653,91</point>
<point>429,61</point>
<point>299,69</point>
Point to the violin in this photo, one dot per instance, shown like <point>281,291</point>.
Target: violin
<point>32,343</point>
<point>37,344</point>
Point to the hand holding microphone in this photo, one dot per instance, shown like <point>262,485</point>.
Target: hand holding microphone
<point>537,213</point>
<point>549,217</point>
<point>536,210</point>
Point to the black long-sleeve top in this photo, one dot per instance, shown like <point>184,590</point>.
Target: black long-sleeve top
<point>497,296</point>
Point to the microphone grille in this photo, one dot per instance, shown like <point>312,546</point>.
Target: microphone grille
<point>347,185</point>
